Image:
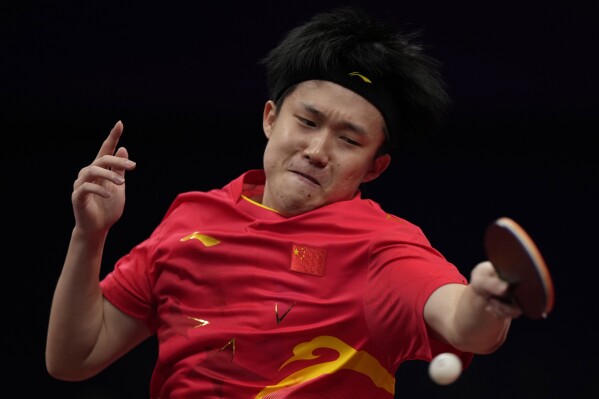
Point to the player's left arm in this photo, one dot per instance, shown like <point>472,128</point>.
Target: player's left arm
<point>470,317</point>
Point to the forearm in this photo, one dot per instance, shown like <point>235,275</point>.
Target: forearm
<point>76,315</point>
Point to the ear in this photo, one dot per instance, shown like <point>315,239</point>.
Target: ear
<point>268,117</point>
<point>378,166</point>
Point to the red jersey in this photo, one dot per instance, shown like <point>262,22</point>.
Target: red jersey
<point>247,303</point>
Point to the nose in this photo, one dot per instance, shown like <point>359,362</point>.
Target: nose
<point>316,150</point>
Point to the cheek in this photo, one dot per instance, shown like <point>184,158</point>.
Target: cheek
<point>267,156</point>
<point>351,174</point>
<point>272,154</point>
<point>278,145</point>
<point>352,166</point>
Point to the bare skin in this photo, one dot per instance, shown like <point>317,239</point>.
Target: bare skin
<point>85,332</point>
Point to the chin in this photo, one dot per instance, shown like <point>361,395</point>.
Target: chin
<point>298,206</point>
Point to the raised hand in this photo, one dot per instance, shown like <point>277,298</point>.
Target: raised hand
<point>98,196</point>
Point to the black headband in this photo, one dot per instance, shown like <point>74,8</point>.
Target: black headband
<point>372,89</point>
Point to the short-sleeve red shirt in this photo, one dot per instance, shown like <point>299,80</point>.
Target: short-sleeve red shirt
<point>247,303</point>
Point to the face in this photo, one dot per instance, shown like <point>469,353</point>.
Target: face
<point>322,144</point>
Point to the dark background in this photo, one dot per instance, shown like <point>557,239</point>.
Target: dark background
<point>183,76</point>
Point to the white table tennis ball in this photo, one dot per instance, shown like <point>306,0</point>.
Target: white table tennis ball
<point>445,368</point>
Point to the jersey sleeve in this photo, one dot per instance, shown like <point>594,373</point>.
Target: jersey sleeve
<point>129,286</point>
<point>405,271</point>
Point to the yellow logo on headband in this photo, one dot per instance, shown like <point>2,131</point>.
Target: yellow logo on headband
<point>364,78</point>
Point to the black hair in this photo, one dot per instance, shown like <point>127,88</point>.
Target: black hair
<point>336,44</point>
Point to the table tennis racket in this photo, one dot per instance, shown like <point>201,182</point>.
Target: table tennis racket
<point>519,262</point>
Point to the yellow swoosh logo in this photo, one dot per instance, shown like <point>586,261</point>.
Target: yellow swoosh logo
<point>349,359</point>
<point>203,238</point>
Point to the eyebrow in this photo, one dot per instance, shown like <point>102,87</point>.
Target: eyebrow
<point>344,124</point>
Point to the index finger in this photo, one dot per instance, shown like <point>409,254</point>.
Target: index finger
<point>109,145</point>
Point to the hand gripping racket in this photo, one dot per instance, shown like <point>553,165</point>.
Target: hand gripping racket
<point>519,262</point>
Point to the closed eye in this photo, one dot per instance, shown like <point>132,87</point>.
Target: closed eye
<point>349,141</point>
<point>306,122</point>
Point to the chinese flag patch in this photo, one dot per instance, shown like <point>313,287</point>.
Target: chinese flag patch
<point>309,260</point>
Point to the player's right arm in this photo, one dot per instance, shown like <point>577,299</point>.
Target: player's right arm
<point>85,332</point>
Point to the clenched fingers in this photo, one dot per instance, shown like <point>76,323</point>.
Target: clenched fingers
<point>486,282</point>
<point>503,309</point>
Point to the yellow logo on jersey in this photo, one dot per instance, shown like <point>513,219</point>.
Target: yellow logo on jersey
<point>203,238</point>
<point>349,359</point>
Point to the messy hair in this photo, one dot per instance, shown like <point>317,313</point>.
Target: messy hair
<point>346,37</point>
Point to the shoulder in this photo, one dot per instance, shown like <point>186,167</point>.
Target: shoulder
<point>372,213</point>
<point>362,218</point>
<point>211,197</point>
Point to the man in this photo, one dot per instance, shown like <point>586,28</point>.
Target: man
<point>285,282</point>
